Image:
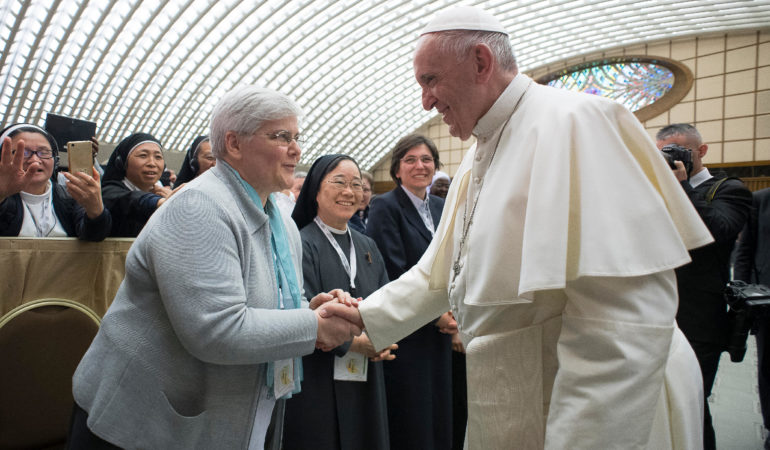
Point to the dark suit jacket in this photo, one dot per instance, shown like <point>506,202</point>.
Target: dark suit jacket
<point>752,257</point>
<point>419,381</point>
<point>702,313</point>
<point>396,227</point>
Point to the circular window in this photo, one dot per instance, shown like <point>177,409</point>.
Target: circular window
<point>647,86</point>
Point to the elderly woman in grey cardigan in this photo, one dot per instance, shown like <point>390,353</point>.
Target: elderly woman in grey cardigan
<point>200,342</point>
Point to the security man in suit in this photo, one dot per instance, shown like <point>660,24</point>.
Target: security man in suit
<point>752,265</point>
<point>724,205</point>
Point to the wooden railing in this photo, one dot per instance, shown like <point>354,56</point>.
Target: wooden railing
<point>86,272</point>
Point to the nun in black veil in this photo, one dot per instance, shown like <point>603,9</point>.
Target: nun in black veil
<point>342,404</point>
<point>197,160</point>
<point>130,187</point>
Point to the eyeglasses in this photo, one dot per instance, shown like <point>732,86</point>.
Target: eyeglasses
<point>411,160</point>
<point>43,153</point>
<point>286,137</point>
<point>340,185</point>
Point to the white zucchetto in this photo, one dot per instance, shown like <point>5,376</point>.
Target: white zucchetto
<point>464,18</point>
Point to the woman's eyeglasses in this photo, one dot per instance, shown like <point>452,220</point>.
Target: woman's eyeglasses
<point>341,185</point>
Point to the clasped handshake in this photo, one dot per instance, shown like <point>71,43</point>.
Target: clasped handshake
<point>339,321</point>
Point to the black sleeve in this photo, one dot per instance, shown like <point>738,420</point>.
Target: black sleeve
<point>75,220</point>
<point>727,212</point>
<point>744,251</point>
<point>11,215</point>
<point>383,228</point>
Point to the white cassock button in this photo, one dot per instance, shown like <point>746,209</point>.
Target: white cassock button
<point>478,157</point>
<point>477,180</point>
<point>483,140</point>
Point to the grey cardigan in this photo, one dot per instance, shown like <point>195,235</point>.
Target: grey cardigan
<point>180,356</point>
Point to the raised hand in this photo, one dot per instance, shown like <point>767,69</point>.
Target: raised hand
<point>87,191</point>
<point>13,177</point>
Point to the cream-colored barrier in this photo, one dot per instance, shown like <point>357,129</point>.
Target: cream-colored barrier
<point>67,268</point>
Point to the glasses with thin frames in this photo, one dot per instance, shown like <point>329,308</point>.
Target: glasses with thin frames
<point>411,160</point>
<point>286,137</point>
<point>341,185</point>
<point>42,153</point>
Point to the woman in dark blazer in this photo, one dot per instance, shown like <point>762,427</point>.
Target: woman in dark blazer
<point>419,382</point>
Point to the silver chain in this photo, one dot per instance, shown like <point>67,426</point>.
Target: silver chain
<point>466,220</point>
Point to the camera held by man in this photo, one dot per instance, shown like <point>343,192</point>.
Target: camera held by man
<point>747,302</point>
<point>674,152</point>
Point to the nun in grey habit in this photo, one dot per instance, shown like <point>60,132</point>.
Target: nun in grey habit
<point>336,413</point>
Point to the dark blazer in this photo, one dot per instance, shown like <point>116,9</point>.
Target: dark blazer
<point>71,215</point>
<point>419,381</point>
<point>396,227</point>
<point>702,313</point>
<point>752,257</point>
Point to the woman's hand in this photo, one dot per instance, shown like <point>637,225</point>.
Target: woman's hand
<point>87,191</point>
<point>361,344</point>
<point>457,343</point>
<point>165,193</point>
<point>337,295</point>
<point>446,323</point>
<point>13,177</point>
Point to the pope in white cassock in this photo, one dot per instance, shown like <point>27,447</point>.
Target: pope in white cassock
<point>555,253</point>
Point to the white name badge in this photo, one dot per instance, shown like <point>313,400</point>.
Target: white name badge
<point>283,377</point>
<point>351,367</point>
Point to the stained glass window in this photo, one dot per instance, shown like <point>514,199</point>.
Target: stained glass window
<point>633,84</point>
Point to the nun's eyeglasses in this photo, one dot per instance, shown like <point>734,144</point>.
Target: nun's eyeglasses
<point>43,153</point>
<point>286,137</point>
<point>341,185</point>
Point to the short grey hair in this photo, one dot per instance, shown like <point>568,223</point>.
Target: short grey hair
<point>244,109</point>
<point>679,129</point>
<point>460,42</point>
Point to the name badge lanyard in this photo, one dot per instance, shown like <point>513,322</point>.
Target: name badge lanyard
<point>349,264</point>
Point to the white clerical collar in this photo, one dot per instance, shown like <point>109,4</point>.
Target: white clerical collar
<point>503,107</point>
<point>336,230</point>
<point>700,177</point>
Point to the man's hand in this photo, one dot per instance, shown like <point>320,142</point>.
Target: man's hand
<point>87,191</point>
<point>13,177</point>
<point>333,326</point>
<point>447,323</point>
<point>680,172</point>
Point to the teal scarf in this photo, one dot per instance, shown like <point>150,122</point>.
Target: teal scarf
<point>287,283</point>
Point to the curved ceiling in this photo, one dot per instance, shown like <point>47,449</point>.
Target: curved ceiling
<point>159,66</point>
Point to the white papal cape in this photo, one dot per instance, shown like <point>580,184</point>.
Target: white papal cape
<point>565,294</point>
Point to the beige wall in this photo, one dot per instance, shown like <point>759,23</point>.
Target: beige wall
<point>729,101</point>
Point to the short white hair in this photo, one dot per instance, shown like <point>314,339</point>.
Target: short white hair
<point>460,42</point>
<point>244,109</point>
